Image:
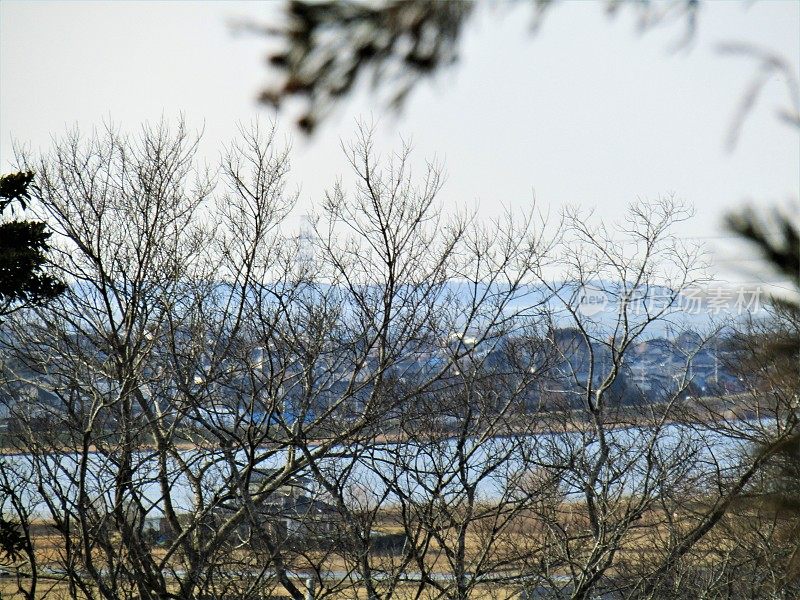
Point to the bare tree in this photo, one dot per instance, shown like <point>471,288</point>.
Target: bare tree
<point>400,402</point>
<point>200,363</point>
<point>134,350</point>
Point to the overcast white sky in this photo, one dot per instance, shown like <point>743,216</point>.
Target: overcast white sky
<point>587,111</point>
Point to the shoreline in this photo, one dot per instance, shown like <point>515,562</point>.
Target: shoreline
<point>550,426</point>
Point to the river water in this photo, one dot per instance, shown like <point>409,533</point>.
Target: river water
<point>498,467</point>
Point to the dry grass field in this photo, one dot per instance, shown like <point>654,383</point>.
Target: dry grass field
<point>640,545</point>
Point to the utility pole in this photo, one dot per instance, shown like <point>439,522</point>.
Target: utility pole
<point>310,588</point>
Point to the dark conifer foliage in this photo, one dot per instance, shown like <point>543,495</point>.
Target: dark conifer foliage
<point>24,280</point>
